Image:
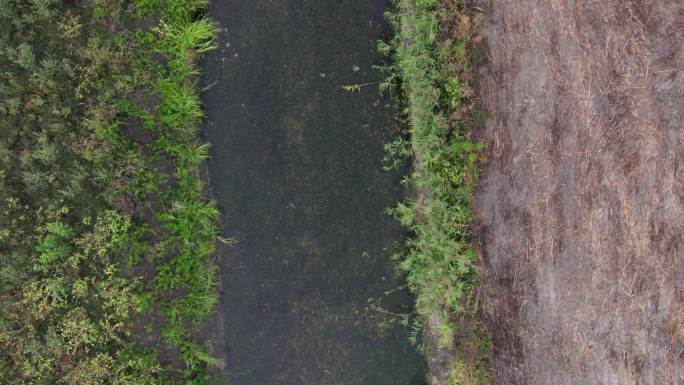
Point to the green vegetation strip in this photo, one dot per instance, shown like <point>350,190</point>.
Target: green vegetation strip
<point>433,64</point>
<point>106,236</point>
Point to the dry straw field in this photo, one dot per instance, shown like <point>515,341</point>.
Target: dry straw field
<point>579,209</point>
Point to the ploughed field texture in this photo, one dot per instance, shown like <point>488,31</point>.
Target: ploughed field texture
<point>579,208</point>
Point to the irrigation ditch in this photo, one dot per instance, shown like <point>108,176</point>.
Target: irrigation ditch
<point>333,192</point>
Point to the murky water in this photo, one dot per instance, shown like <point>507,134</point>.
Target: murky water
<point>296,168</point>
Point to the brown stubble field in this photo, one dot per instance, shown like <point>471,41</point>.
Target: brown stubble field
<point>579,210</point>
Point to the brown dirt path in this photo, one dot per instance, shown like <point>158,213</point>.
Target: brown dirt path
<point>580,207</point>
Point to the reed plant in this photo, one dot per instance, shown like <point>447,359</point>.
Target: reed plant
<point>438,258</point>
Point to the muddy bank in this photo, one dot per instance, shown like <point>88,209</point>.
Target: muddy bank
<point>579,209</point>
<point>309,289</point>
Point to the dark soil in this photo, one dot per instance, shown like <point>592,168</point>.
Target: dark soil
<point>579,209</point>
<point>296,166</point>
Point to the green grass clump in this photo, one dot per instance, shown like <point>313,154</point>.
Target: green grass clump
<point>189,220</point>
<point>440,261</point>
<point>180,107</point>
<point>430,64</point>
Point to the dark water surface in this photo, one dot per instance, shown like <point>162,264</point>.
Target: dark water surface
<point>296,168</point>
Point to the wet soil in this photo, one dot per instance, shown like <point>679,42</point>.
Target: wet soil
<point>308,289</point>
<point>580,207</point>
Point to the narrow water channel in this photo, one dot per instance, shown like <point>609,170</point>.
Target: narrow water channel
<point>296,168</point>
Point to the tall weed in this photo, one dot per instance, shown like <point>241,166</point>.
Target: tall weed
<point>438,258</point>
